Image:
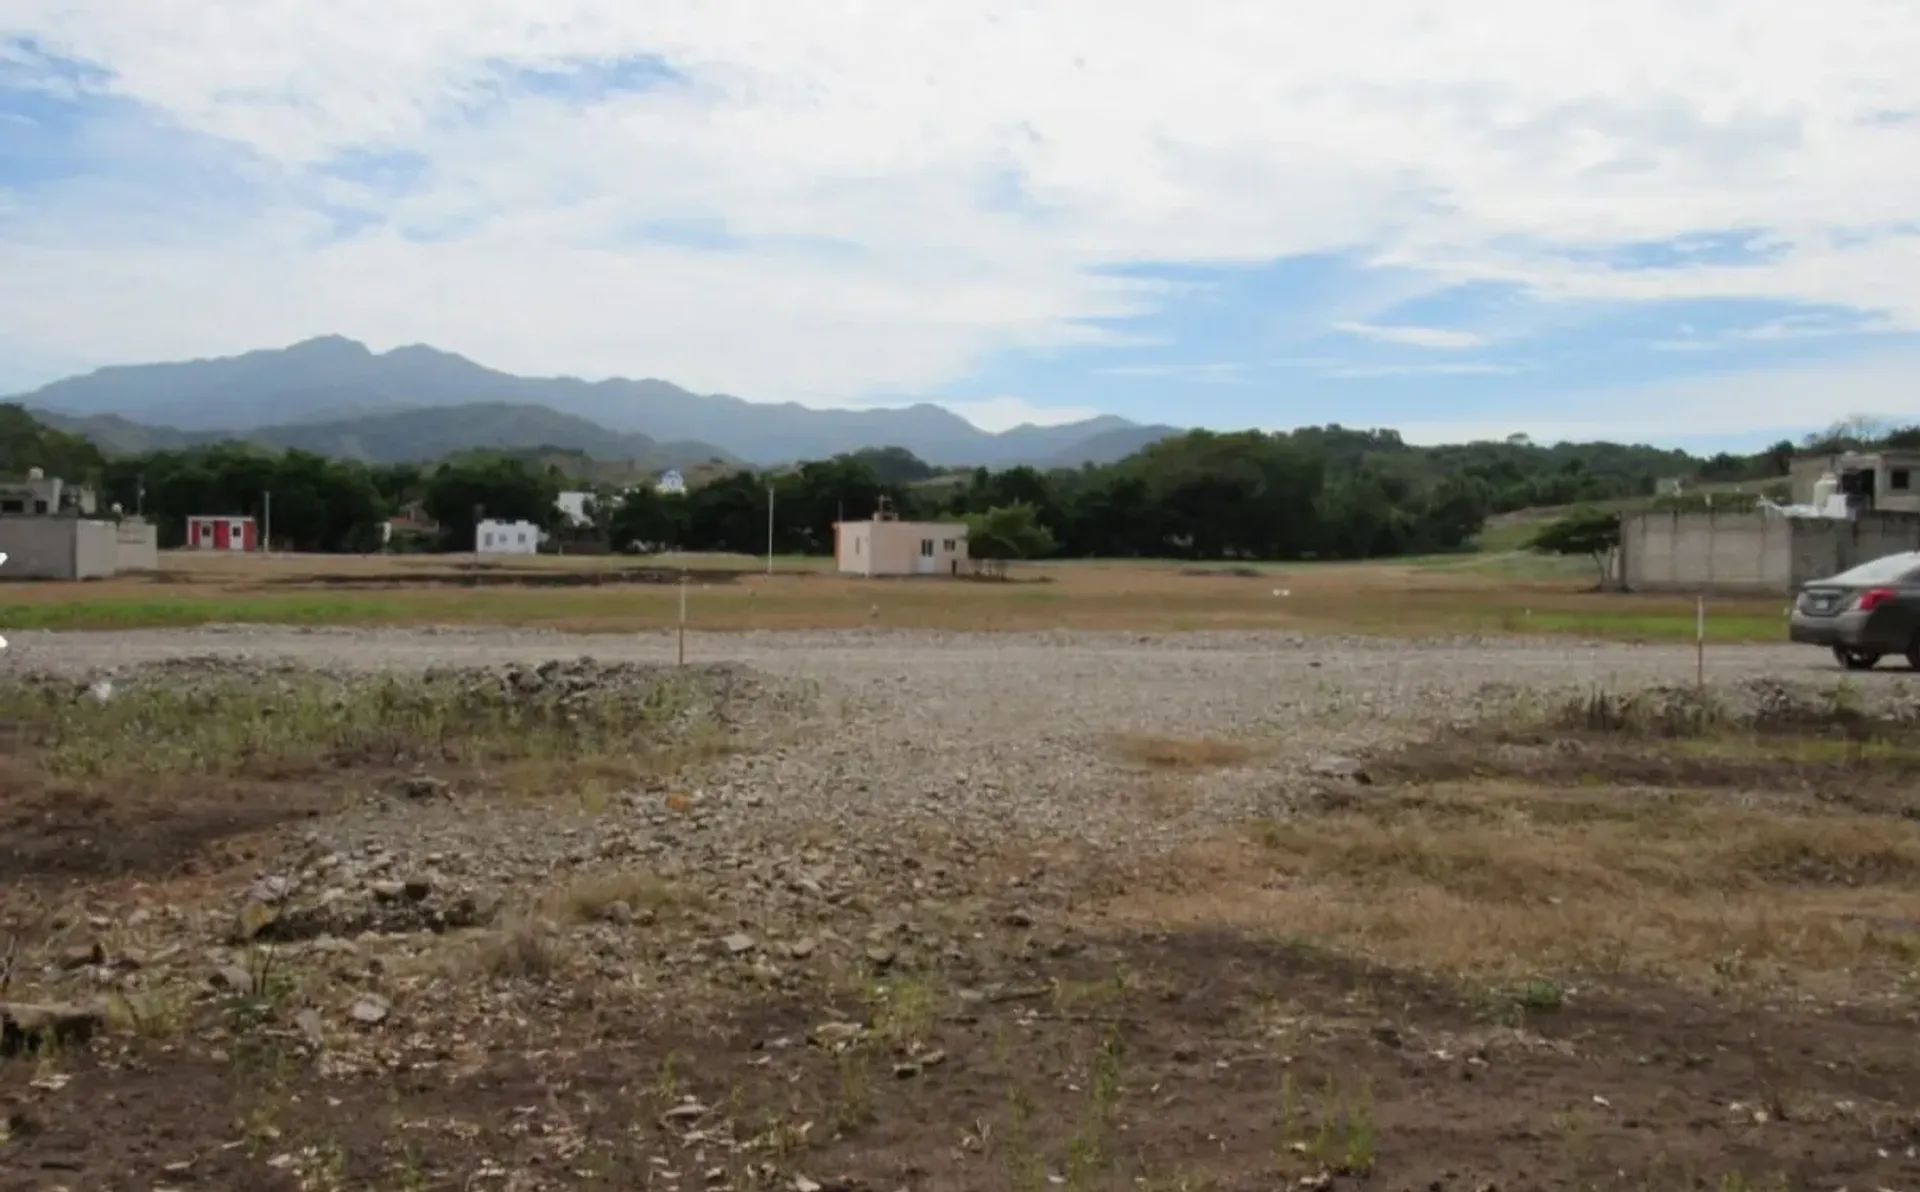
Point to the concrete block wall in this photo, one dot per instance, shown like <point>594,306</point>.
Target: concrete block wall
<point>37,547</point>
<point>1752,552</point>
<point>139,545</point>
<point>96,549</point>
<point>1669,551</point>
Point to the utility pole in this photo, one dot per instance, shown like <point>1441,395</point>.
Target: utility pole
<point>769,529</point>
<point>266,530</point>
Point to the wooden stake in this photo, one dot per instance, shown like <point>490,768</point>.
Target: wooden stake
<point>683,622</point>
<point>1700,643</point>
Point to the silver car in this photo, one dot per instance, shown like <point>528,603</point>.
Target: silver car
<point>1863,614</point>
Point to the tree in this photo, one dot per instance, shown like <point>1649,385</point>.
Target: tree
<point>647,520</point>
<point>459,494</point>
<point>1005,533</point>
<point>1593,532</point>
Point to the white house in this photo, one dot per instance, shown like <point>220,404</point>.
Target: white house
<point>574,506</point>
<point>672,482</point>
<point>506,538</point>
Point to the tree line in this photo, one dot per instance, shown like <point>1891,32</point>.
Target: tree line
<point>1316,492</point>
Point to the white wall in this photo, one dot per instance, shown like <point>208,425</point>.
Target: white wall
<point>506,538</point>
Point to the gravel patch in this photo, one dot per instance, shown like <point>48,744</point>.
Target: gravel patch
<point>1012,734</point>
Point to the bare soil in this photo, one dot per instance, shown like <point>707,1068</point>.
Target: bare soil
<point>1286,925</point>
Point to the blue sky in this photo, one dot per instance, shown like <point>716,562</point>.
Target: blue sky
<point>1680,224</point>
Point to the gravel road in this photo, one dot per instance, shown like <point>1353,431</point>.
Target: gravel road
<point>1003,732</point>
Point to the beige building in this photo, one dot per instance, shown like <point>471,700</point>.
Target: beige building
<point>884,546</point>
<point>1886,480</point>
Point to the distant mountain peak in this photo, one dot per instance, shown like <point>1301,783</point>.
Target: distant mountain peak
<point>331,377</point>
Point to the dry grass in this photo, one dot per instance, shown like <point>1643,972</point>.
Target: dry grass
<point>525,949</point>
<point>1374,598</point>
<point>592,897</point>
<point>1180,753</point>
<point>1502,881</point>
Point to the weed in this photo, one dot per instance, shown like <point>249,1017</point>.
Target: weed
<point>903,1011</point>
<point>260,999</point>
<point>1537,995</point>
<point>525,950</point>
<point>1180,753</point>
<point>854,1105</point>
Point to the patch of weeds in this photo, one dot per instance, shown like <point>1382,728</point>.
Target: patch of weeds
<point>1180,753</point>
<point>524,950</point>
<point>1091,997</point>
<point>903,1010</point>
<point>1537,996</point>
<point>1345,1140</point>
<point>156,1015</point>
<point>593,897</point>
<point>853,1104</point>
<point>260,999</point>
<point>1026,1166</point>
<point>1658,712</point>
<point>282,723</point>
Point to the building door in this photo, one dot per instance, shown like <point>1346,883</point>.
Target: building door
<point>927,563</point>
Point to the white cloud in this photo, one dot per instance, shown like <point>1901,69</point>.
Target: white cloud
<point>1218,373</point>
<point>1757,404</point>
<point>1781,330</point>
<point>1451,369</point>
<point>861,152</point>
<point>1413,337</point>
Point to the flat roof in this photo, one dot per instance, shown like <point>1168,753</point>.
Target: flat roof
<point>874,521</point>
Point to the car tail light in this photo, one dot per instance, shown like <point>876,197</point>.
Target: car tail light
<point>1873,598</point>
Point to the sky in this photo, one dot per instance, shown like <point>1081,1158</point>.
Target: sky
<point>1693,222</point>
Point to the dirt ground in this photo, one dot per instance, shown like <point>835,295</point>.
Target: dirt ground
<point>393,911</point>
<point>1504,594</point>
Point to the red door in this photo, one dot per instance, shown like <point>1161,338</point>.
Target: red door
<point>220,535</point>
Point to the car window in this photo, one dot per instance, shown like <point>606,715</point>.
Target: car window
<point>1891,570</point>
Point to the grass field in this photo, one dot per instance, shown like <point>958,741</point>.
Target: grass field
<point>1485,594</point>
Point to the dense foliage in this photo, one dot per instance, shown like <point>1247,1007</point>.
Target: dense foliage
<point>1317,492</point>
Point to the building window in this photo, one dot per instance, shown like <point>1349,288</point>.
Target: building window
<point>947,546</point>
<point>1900,479</point>
<point>487,540</point>
<point>926,548</point>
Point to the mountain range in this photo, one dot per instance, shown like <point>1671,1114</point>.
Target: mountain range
<point>335,396</point>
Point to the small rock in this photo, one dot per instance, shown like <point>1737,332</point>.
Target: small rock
<point>832,1034</point>
<point>28,1027</point>
<point>1337,766</point>
<point>371,1010</point>
<point>254,918</point>
<point>388,891</point>
<point>738,944</point>
<point>232,978</point>
<point>311,1027</point>
<point>618,913</point>
<point>82,955</point>
<point>803,947</point>
<point>424,786</point>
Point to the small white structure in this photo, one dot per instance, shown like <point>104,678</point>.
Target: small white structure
<point>574,507</point>
<point>884,546</point>
<point>671,482</point>
<point>506,538</point>
<point>1828,502</point>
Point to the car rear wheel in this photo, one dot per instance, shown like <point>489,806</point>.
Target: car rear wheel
<point>1913,654</point>
<point>1866,659</point>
